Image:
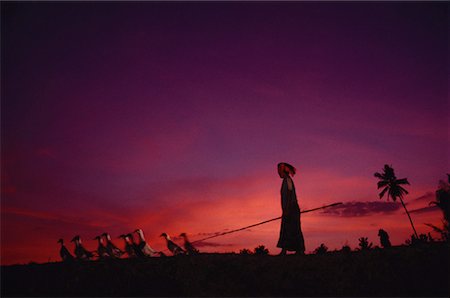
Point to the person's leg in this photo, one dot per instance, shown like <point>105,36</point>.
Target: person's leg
<point>283,252</point>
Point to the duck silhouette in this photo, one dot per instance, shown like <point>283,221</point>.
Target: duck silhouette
<point>66,256</point>
<point>101,249</point>
<point>112,249</point>
<point>190,249</point>
<point>172,246</point>
<point>80,252</point>
<point>143,245</point>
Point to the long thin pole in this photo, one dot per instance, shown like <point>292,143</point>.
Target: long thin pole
<point>410,220</point>
<point>263,222</point>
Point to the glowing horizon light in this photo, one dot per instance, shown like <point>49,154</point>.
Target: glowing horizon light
<point>173,120</point>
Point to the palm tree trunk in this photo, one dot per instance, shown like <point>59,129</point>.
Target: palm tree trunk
<point>410,220</point>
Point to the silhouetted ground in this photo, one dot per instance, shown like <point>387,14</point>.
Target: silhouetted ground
<point>399,271</point>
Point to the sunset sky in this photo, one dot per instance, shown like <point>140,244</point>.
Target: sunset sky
<point>172,117</point>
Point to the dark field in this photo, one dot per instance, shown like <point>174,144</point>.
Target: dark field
<point>399,271</point>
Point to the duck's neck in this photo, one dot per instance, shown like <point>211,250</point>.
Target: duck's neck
<point>141,235</point>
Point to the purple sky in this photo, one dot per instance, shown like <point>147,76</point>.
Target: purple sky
<point>123,114</point>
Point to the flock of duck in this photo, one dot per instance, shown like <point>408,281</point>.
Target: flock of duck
<point>108,250</point>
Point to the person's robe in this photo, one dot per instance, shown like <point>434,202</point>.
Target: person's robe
<point>291,237</point>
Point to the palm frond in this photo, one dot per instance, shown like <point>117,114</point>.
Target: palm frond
<point>436,229</point>
<point>392,192</point>
<point>383,192</point>
<point>402,190</point>
<point>389,172</point>
<point>403,181</point>
<point>378,175</point>
<point>382,183</point>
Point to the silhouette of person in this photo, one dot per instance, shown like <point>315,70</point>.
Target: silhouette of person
<point>384,238</point>
<point>291,237</point>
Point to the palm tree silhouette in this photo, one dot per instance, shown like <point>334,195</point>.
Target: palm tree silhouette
<point>392,186</point>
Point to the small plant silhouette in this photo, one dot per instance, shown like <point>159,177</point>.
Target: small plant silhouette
<point>261,250</point>
<point>322,249</point>
<point>422,239</point>
<point>346,248</point>
<point>245,251</point>
<point>364,243</point>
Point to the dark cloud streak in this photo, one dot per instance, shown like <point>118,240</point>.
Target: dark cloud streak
<point>428,196</point>
<point>356,209</point>
<point>425,209</point>
<point>211,244</point>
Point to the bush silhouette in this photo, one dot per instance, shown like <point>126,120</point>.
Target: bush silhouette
<point>245,251</point>
<point>346,248</point>
<point>423,239</point>
<point>322,249</point>
<point>261,250</point>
